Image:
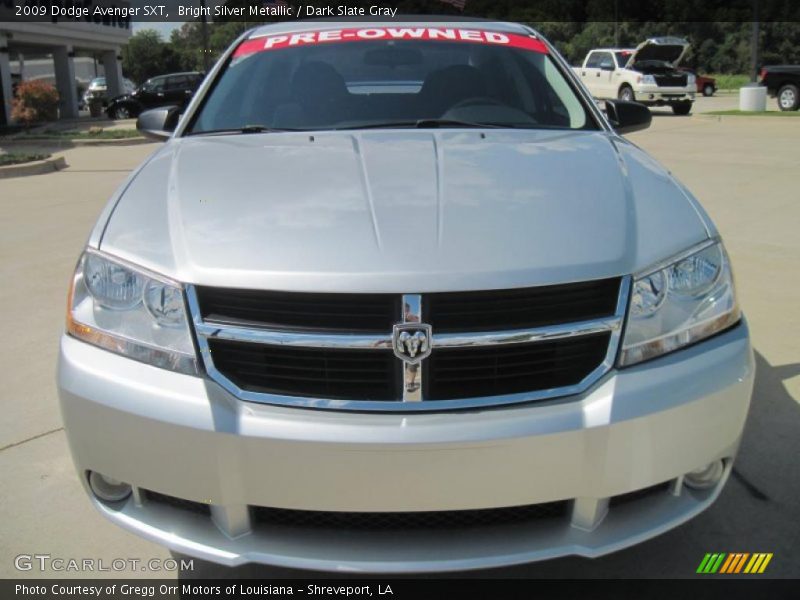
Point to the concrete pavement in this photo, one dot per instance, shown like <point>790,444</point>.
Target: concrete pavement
<point>743,169</point>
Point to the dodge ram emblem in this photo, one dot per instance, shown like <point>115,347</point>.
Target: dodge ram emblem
<point>412,341</point>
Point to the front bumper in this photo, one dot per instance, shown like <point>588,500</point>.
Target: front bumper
<point>661,96</point>
<point>188,438</point>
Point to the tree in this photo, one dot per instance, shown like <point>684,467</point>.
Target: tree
<point>187,42</point>
<point>146,55</point>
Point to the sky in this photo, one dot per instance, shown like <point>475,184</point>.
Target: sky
<point>165,29</point>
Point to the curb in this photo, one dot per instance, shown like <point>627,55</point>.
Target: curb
<point>720,118</point>
<point>37,167</point>
<point>69,143</point>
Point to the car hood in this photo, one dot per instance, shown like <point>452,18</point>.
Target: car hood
<point>400,210</point>
<point>668,49</point>
<point>121,97</point>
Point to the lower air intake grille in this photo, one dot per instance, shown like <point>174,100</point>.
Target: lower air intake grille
<point>383,521</point>
<point>180,503</point>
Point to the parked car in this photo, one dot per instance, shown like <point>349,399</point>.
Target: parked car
<point>782,82</point>
<point>705,85</point>
<point>457,321</point>
<point>172,89</point>
<point>98,88</point>
<point>648,74</point>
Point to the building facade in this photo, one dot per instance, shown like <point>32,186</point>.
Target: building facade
<point>64,40</point>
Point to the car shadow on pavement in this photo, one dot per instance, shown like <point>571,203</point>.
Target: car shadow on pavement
<point>756,512</point>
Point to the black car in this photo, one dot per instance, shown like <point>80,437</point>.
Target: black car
<point>783,83</point>
<point>172,89</point>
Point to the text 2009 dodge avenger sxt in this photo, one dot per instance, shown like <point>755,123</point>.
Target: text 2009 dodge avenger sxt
<point>399,298</point>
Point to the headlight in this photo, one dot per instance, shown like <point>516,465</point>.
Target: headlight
<point>130,311</point>
<point>648,80</point>
<point>691,79</point>
<point>688,299</point>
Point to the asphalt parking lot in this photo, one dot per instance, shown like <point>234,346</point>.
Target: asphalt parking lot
<point>743,169</point>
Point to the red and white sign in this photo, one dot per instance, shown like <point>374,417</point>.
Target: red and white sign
<point>444,34</point>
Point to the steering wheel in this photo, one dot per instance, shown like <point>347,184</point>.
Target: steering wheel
<point>477,101</point>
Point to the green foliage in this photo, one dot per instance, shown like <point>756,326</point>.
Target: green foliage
<point>717,46</point>
<point>147,55</point>
<point>34,102</point>
<point>187,42</point>
<point>91,134</point>
<point>730,82</point>
<point>16,158</point>
<point>744,113</point>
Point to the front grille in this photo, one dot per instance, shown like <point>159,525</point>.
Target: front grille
<point>498,370</point>
<point>404,521</point>
<point>520,308</point>
<point>338,350</point>
<point>671,80</point>
<point>350,313</point>
<point>311,372</point>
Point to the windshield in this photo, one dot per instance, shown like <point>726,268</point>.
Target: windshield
<point>623,56</point>
<point>373,77</point>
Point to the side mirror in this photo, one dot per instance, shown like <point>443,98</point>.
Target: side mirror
<point>607,67</point>
<point>627,117</point>
<point>158,123</point>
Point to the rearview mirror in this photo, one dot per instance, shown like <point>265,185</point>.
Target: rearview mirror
<point>158,123</point>
<point>607,67</point>
<point>627,117</point>
<point>392,56</point>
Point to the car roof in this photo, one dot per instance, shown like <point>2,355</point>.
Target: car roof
<point>410,21</point>
<point>174,74</point>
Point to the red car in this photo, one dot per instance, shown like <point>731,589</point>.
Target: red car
<point>705,85</point>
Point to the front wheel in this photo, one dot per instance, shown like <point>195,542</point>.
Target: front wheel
<point>788,97</point>
<point>708,90</point>
<point>683,108</point>
<point>121,112</point>
<point>626,94</point>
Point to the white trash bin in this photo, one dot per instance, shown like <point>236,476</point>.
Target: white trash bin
<point>753,98</point>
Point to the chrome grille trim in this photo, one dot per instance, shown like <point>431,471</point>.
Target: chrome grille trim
<point>209,329</point>
<point>206,330</point>
<point>411,307</point>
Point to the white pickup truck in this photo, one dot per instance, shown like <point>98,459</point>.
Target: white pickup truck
<point>646,74</point>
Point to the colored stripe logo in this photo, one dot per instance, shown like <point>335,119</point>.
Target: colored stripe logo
<point>735,562</point>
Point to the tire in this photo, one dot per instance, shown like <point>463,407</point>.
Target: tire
<point>708,90</point>
<point>626,93</point>
<point>788,97</point>
<point>682,108</point>
<point>121,112</point>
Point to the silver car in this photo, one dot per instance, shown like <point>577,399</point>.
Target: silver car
<point>398,297</point>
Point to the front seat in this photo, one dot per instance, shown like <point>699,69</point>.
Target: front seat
<point>319,93</point>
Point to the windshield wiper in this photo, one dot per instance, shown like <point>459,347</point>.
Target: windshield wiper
<point>428,124</point>
<point>243,130</point>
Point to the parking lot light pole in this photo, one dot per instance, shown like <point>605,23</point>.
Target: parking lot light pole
<point>754,34</point>
<point>204,30</point>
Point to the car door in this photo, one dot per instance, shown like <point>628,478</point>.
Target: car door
<point>178,89</point>
<point>152,93</point>
<point>604,77</point>
<point>591,71</point>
